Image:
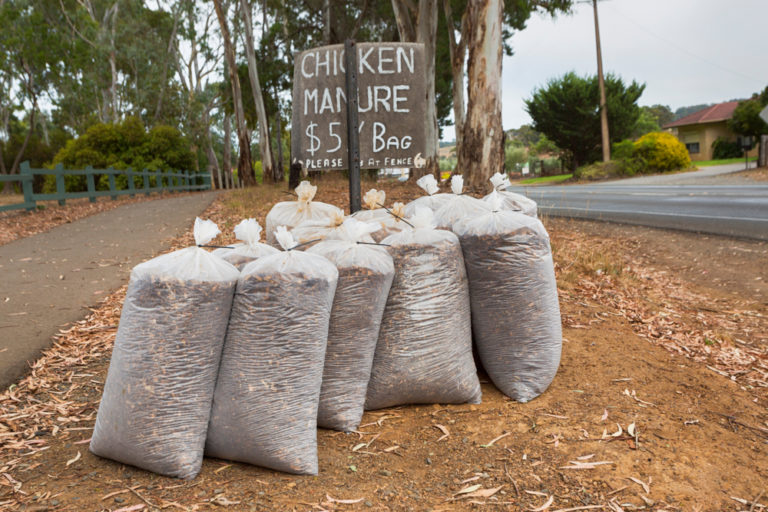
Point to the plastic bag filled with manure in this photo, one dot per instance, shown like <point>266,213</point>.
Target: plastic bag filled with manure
<point>511,200</point>
<point>391,222</point>
<point>458,205</point>
<point>249,231</point>
<point>365,276</point>
<point>292,213</point>
<point>433,200</point>
<point>157,397</point>
<point>310,232</point>
<point>373,207</point>
<point>424,351</point>
<point>515,311</point>
<point>265,405</point>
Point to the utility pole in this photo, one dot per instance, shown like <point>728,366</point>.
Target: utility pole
<point>601,83</point>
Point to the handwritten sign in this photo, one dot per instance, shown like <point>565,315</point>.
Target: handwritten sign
<point>391,106</point>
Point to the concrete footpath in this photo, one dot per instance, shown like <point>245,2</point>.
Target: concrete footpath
<point>50,279</point>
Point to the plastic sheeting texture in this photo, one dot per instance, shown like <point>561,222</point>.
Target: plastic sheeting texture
<point>266,398</point>
<point>515,310</point>
<point>157,397</point>
<point>424,351</point>
<point>365,277</point>
<point>242,254</point>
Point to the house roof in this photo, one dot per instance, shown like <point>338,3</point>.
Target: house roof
<point>719,112</point>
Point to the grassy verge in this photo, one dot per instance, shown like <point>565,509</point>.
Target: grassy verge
<point>707,163</point>
<point>547,179</point>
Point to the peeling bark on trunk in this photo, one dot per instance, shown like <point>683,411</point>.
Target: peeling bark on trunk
<point>423,30</point>
<point>482,152</point>
<point>244,166</point>
<point>458,52</point>
<point>427,34</point>
<point>267,162</point>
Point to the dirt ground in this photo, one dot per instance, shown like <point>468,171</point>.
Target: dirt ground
<point>659,404</point>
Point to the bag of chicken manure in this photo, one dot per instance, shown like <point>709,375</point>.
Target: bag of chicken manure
<point>157,397</point>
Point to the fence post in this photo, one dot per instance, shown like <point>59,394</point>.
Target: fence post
<point>207,182</point>
<point>145,174</point>
<point>131,185</point>
<point>112,185</point>
<point>61,187</point>
<point>89,179</point>
<point>187,183</point>
<point>26,185</point>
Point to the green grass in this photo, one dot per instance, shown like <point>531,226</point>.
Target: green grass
<point>547,179</point>
<point>707,163</point>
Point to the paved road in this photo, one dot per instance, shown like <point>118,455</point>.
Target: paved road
<point>733,210</point>
<point>50,279</point>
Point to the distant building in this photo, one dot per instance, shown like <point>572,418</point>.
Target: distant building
<point>699,130</point>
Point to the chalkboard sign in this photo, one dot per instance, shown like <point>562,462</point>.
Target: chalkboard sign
<point>391,106</point>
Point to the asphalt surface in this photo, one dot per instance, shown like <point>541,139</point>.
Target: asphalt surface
<point>672,201</point>
<point>50,279</point>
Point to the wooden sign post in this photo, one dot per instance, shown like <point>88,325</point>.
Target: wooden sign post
<point>387,114</point>
<point>353,141</point>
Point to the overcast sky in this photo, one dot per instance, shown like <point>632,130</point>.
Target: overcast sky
<point>686,51</point>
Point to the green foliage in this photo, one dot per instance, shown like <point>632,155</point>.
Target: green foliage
<point>124,145</point>
<point>723,148</point>
<point>623,150</point>
<point>653,152</point>
<point>545,146</point>
<point>661,151</point>
<point>600,171</point>
<point>746,118</point>
<point>514,157</point>
<point>646,123</point>
<point>567,111</point>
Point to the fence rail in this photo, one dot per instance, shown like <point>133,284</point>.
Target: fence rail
<point>175,181</point>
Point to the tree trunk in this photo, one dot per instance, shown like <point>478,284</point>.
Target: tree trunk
<point>267,163</point>
<point>458,53</point>
<point>8,186</point>
<point>227,152</point>
<point>326,22</point>
<point>113,63</point>
<point>482,152</point>
<point>425,32</point>
<point>279,139</point>
<point>244,164</point>
<point>404,21</point>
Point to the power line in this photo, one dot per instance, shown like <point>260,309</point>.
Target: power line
<point>683,49</point>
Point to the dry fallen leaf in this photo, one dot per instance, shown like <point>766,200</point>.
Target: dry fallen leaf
<point>502,436</point>
<point>443,430</point>
<point>484,493</point>
<point>545,506</point>
<point>468,489</point>
<point>347,502</point>
<point>642,484</point>
<point>75,459</point>
<point>605,415</point>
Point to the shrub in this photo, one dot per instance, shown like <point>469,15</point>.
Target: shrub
<point>723,148</point>
<point>623,150</point>
<point>661,151</point>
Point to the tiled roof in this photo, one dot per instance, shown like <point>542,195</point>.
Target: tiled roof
<point>719,112</point>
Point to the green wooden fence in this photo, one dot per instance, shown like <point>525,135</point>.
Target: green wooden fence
<point>176,181</point>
